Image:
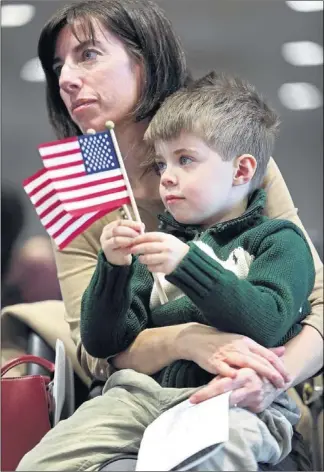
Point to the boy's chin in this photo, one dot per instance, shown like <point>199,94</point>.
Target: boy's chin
<point>185,219</point>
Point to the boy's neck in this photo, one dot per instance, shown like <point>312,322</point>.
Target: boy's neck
<point>236,209</point>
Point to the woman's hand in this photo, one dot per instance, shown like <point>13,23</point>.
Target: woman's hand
<point>224,353</point>
<point>249,390</point>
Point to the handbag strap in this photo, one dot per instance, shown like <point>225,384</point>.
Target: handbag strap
<point>28,359</point>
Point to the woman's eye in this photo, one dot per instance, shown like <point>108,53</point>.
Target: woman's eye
<point>57,70</point>
<point>89,54</point>
<point>184,160</point>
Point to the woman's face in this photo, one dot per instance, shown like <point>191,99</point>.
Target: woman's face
<point>98,82</point>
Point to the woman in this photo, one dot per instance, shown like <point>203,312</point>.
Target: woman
<point>117,60</point>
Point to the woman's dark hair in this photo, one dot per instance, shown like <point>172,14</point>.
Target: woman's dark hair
<point>147,34</point>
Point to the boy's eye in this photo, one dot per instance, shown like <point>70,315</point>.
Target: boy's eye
<point>159,167</point>
<point>184,160</point>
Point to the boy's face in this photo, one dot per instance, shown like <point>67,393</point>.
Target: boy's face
<point>195,183</point>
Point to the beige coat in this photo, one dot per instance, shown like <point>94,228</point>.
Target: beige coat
<point>76,264</point>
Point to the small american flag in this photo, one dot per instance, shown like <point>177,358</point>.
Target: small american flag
<point>61,226</point>
<point>85,173</point>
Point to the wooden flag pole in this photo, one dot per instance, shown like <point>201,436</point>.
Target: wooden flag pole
<point>110,125</point>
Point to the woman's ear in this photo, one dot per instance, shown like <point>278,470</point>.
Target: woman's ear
<point>244,169</point>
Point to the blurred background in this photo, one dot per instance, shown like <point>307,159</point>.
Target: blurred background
<point>276,45</point>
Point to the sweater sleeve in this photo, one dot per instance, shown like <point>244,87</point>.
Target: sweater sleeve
<point>114,307</point>
<point>263,306</point>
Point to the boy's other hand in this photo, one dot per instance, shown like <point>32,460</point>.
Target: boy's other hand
<point>160,252</point>
<point>117,238</point>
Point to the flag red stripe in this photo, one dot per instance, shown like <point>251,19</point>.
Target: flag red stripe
<point>68,177</point>
<point>64,227</point>
<point>103,193</point>
<point>66,165</point>
<point>40,187</point>
<point>56,219</point>
<point>93,183</point>
<point>61,154</point>
<point>59,141</point>
<point>81,229</point>
<point>49,209</point>
<point>109,206</point>
<point>37,174</point>
<point>46,197</point>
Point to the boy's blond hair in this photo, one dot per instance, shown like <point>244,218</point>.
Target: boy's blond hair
<point>227,113</point>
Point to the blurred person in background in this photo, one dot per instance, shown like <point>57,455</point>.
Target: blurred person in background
<point>12,222</point>
<point>33,271</point>
<point>28,271</point>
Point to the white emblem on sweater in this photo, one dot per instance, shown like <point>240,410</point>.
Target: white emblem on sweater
<point>238,262</point>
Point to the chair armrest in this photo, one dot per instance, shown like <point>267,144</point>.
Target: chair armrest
<point>38,347</point>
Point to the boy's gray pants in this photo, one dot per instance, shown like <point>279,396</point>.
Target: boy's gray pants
<point>113,424</point>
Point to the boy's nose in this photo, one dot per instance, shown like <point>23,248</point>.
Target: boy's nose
<point>169,178</point>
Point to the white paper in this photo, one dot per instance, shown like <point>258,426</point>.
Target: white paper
<point>183,431</point>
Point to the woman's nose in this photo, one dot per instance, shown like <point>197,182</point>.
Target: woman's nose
<point>70,79</point>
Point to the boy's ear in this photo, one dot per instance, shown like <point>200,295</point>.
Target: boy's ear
<point>244,169</point>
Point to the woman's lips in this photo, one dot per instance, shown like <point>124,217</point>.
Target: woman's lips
<point>82,106</point>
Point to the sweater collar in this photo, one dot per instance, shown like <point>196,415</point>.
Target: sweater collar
<point>253,212</point>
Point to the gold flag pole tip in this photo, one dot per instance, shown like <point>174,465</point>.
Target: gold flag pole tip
<point>91,131</point>
<point>110,124</point>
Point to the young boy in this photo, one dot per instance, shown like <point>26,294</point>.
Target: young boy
<point>224,264</point>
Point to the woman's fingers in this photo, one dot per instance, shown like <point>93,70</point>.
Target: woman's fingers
<point>255,396</point>
<point>252,361</point>
<point>215,387</point>
<point>224,368</point>
<point>278,351</point>
<point>273,359</point>
<point>246,350</point>
<point>242,397</point>
<point>247,389</point>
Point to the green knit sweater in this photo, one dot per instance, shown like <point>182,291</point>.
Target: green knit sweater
<point>257,285</point>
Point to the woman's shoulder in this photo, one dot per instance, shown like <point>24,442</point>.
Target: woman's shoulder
<point>279,203</point>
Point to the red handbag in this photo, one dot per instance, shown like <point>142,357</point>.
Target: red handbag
<point>26,407</point>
